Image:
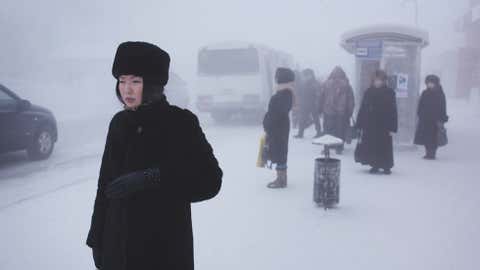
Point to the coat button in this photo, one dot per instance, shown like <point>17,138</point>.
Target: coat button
<point>139,129</point>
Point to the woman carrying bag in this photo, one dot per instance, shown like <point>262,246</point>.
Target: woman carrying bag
<point>432,116</point>
<point>277,125</point>
<point>377,121</point>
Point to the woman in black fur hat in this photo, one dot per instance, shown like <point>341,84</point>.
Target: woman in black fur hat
<point>156,162</point>
<point>377,119</point>
<point>277,124</point>
<point>432,114</point>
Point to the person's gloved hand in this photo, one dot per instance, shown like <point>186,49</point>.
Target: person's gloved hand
<point>97,257</point>
<point>128,184</point>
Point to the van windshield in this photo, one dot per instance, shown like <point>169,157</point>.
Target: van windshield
<point>228,62</point>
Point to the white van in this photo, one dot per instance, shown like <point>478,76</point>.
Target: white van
<point>237,78</point>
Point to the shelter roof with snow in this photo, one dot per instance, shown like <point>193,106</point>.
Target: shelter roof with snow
<point>389,32</point>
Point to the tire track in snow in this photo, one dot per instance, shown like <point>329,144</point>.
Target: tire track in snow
<point>46,192</point>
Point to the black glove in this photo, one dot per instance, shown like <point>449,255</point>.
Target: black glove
<point>97,257</point>
<point>128,184</point>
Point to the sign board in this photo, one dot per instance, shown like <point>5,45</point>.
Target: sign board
<point>402,85</point>
<point>395,52</point>
<point>362,52</point>
<point>369,49</point>
<point>399,82</point>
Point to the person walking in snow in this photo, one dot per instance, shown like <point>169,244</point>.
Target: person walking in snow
<point>276,124</point>
<point>141,216</point>
<point>377,120</point>
<point>296,115</point>
<point>432,115</point>
<point>307,98</point>
<point>337,102</point>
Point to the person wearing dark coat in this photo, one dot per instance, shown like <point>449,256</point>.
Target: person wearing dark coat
<point>432,114</point>
<point>156,162</point>
<point>276,124</point>
<point>337,103</point>
<point>307,99</point>
<point>377,120</point>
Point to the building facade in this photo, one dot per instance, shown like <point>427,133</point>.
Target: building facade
<point>469,55</point>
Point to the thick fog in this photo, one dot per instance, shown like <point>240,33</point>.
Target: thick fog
<point>59,42</point>
<point>421,214</point>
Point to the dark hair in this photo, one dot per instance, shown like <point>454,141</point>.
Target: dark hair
<point>151,91</point>
<point>380,74</point>
<point>308,72</point>
<point>284,75</point>
<point>433,79</point>
<point>338,74</point>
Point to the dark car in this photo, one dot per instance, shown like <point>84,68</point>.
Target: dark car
<point>25,126</point>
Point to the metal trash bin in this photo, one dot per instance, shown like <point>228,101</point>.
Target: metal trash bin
<point>326,184</point>
<point>326,188</point>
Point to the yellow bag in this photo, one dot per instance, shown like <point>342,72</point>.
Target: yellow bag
<point>261,162</point>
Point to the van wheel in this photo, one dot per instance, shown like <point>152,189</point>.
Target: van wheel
<point>42,144</point>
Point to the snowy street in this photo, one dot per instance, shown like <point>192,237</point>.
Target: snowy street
<point>424,216</point>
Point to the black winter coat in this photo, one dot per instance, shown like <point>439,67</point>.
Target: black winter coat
<point>308,96</point>
<point>277,125</point>
<point>153,229</point>
<point>432,109</point>
<point>377,117</point>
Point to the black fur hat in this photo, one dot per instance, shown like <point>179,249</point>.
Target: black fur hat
<point>284,75</point>
<point>142,59</point>
<point>432,79</point>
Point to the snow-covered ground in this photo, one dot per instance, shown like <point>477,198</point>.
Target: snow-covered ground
<point>424,216</point>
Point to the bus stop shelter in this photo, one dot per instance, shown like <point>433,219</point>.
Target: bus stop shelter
<point>397,50</point>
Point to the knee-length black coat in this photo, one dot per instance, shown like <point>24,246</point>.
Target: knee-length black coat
<point>277,125</point>
<point>153,229</point>
<point>377,117</point>
<point>432,109</point>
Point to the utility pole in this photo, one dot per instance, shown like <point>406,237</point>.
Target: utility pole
<point>415,3</point>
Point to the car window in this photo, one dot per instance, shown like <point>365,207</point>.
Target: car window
<point>4,96</point>
<point>7,102</point>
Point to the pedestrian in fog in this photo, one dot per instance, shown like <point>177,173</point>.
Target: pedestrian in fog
<point>156,162</point>
<point>307,99</point>
<point>377,120</point>
<point>432,115</point>
<point>296,108</point>
<point>277,125</point>
<point>337,102</point>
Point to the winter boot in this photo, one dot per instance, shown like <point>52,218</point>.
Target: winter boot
<point>374,170</point>
<point>387,171</point>
<point>281,181</point>
<point>431,153</point>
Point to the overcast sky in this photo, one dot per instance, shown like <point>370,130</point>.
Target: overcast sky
<point>308,29</point>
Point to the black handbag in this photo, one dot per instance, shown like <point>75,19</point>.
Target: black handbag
<point>360,150</point>
<point>442,138</point>
<point>352,133</point>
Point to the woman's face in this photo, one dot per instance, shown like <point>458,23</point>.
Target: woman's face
<point>430,85</point>
<point>131,90</point>
<point>378,83</point>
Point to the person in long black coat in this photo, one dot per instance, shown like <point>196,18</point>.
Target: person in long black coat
<point>307,99</point>
<point>377,120</point>
<point>156,162</point>
<point>277,125</point>
<point>432,113</point>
